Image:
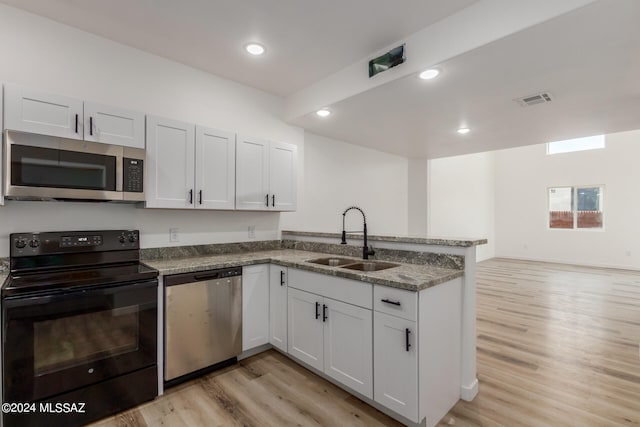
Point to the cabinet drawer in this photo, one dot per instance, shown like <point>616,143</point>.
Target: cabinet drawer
<point>396,302</point>
<point>346,290</point>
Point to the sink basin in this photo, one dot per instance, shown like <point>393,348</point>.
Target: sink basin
<point>332,261</point>
<point>370,265</point>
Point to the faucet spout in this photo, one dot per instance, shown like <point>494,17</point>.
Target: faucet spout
<point>366,251</point>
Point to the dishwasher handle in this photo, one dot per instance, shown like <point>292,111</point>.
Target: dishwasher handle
<point>200,276</point>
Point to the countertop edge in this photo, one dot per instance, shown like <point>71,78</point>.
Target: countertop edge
<point>435,241</point>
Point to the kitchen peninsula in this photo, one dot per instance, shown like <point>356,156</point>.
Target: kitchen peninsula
<point>423,306</point>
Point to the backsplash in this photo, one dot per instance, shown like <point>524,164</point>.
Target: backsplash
<point>204,250</point>
<point>409,257</point>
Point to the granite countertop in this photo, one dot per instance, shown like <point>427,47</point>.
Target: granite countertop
<point>412,277</point>
<point>435,241</point>
<point>3,276</point>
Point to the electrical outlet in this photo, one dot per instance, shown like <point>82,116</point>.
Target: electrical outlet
<point>174,236</point>
<point>251,231</point>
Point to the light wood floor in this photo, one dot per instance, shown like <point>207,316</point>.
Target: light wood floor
<point>558,345</point>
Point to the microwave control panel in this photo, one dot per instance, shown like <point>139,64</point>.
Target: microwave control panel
<point>133,175</point>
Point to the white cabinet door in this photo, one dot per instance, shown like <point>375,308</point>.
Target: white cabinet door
<point>278,306</point>
<point>1,145</point>
<point>252,174</point>
<point>348,346</point>
<point>255,306</point>
<point>396,369</point>
<point>283,176</point>
<point>29,110</point>
<point>306,328</point>
<point>170,163</point>
<point>111,125</point>
<point>215,169</point>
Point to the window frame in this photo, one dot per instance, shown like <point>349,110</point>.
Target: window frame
<point>574,207</point>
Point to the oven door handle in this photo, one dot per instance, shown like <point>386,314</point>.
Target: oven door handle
<point>17,301</point>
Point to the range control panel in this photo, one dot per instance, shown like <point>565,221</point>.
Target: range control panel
<point>49,243</point>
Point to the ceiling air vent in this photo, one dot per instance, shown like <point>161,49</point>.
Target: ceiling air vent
<point>538,98</point>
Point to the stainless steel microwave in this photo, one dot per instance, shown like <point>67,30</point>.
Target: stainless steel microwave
<point>39,167</point>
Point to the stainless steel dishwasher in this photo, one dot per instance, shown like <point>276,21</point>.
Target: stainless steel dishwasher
<point>203,322</point>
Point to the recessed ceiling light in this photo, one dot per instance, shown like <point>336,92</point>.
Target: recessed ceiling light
<point>464,131</point>
<point>323,112</point>
<point>254,49</point>
<point>429,74</point>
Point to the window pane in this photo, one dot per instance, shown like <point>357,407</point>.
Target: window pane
<point>578,144</point>
<point>560,207</point>
<point>589,207</point>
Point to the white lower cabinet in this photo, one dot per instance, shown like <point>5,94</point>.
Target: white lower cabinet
<point>348,347</point>
<point>278,306</point>
<point>255,306</point>
<point>333,336</point>
<point>396,364</point>
<point>305,328</point>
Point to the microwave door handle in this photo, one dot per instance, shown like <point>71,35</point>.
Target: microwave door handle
<point>119,172</point>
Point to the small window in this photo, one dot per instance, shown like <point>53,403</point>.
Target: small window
<point>575,207</point>
<point>578,144</point>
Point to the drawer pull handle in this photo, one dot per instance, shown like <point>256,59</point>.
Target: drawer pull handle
<point>406,335</point>
<point>388,301</point>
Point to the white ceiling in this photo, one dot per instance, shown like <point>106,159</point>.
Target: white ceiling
<point>306,40</point>
<point>588,58</point>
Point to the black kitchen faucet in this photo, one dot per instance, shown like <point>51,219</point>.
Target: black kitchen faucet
<point>366,251</point>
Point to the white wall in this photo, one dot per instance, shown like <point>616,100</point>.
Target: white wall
<point>338,175</point>
<point>522,178</point>
<point>418,196</point>
<point>41,53</point>
<point>461,199</point>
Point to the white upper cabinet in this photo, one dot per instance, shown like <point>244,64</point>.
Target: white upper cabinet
<point>34,111</point>
<point>215,168</point>
<point>252,173</point>
<point>189,166</point>
<point>30,110</point>
<point>266,175</point>
<point>110,125</point>
<point>1,146</point>
<point>170,163</point>
<point>283,176</point>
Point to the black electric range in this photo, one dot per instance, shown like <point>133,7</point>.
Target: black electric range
<point>79,313</point>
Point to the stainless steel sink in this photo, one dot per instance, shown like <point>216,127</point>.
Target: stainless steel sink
<point>370,265</point>
<point>332,261</point>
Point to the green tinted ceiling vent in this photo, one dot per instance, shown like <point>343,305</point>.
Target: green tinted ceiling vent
<point>389,60</point>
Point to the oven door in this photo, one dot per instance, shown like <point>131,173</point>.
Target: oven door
<point>53,344</point>
<point>44,167</point>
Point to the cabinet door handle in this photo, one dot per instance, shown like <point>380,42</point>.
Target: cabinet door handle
<point>191,196</point>
<point>200,196</point>
<point>324,313</point>
<point>406,336</point>
<point>317,307</point>
<point>76,123</point>
<point>273,200</point>
<point>90,125</point>
<point>267,200</point>
<point>281,278</point>
<point>388,301</point>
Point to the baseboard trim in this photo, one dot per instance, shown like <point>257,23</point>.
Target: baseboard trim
<point>469,392</point>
